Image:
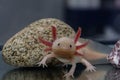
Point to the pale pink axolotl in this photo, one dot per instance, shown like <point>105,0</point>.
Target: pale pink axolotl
<point>66,50</point>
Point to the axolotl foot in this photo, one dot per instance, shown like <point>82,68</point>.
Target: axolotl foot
<point>68,75</point>
<point>90,68</point>
<point>43,63</point>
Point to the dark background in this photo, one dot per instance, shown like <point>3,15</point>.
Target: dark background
<point>16,14</point>
<point>99,19</point>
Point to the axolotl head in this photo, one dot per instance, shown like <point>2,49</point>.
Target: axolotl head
<point>64,47</point>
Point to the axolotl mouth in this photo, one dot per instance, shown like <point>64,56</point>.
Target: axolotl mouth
<point>64,53</point>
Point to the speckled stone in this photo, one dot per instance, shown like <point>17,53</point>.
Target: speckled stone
<point>24,48</point>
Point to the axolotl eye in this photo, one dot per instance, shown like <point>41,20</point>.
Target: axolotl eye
<point>58,44</point>
<point>70,46</point>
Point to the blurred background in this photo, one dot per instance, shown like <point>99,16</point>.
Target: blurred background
<point>99,19</point>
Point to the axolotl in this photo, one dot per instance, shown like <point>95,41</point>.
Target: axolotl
<point>70,51</point>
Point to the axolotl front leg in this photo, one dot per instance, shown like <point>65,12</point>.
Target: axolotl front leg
<point>72,70</point>
<point>78,59</point>
<point>43,61</point>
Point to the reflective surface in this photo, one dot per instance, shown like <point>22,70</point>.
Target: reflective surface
<point>34,74</point>
<point>104,72</point>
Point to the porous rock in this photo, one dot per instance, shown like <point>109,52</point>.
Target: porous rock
<point>24,48</point>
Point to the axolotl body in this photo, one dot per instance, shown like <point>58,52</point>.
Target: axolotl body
<point>70,51</point>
